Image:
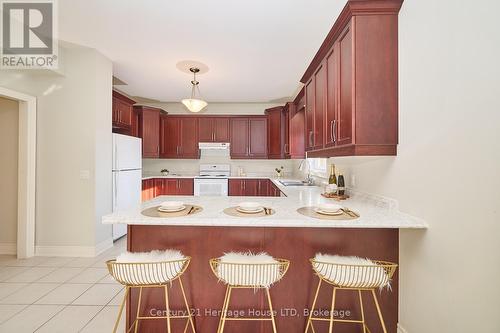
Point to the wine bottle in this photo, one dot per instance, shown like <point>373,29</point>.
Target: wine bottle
<point>333,178</point>
<point>341,184</point>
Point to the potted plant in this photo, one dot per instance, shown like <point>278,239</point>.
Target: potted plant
<point>279,171</point>
<point>164,172</point>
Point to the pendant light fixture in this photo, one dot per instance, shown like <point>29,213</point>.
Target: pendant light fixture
<point>194,104</point>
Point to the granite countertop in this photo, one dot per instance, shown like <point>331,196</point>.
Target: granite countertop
<point>375,212</point>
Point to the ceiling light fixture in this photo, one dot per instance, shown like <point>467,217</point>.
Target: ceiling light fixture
<point>194,104</point>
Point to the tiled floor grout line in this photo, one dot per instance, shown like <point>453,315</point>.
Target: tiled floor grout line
<point>98,263</point>
<point>103,307</point>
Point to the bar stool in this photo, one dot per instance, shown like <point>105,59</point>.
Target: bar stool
<point>350,273</point>
<point>151,274</point>
<point>247,271</point>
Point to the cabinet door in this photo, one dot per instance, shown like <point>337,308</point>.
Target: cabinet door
<point>115,110</point>
<point>170,186</point>
<point>319,106</point>
<point>263,187</point>
<point>160,187</point>
<point>235,187</point>
<point>124,113</point>
<point>239,137</point>
<point>205,129</point>
<point>309,115</point>
<point>150,124</point>
<point>185,186</point>
<point>188,147</point>
<point>286,145</point>
<point>147,189</point>
<point>332,90</point>
<point>221,129</point>
<point>257,147</point>
<point>297,131</point>
<point>345,112</point>
<point>251,187</point>
<point>274,136</point>
<point>169,136</point>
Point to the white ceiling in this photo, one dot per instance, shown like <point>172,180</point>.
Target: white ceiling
<point>256,50</point>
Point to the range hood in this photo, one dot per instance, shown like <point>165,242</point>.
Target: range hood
<point>213,145</point>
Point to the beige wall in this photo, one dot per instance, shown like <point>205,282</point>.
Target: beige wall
<point>9,131</point>
<point>447,168</point>
<point>73,136</point>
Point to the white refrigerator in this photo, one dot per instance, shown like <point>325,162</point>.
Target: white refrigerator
<point>127,177</point>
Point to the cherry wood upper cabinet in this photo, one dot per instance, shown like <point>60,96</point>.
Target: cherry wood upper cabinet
<point>331,118</point>
<point>248,137</point>
<point>297,134</point>
<point>239,137</point>
<point>179,137</point>
<point>351,86</point>
<point>276,136</point>
<point>123,116</point>
<point>319,106</point>
<point>213,129</point>
<point>309,114</point>
<point>257,137</point>
<point>149,130</point>
<point>169,137</point>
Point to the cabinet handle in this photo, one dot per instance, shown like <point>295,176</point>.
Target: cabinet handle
<point>311,138</point>
<point>334,130</point>
<point>213,136</point>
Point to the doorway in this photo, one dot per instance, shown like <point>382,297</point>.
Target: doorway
<point>22,195</point>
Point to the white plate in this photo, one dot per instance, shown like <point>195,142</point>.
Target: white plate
<point>248,211</point>
<point>329,207</point>
<point>319,211</point>
<point>171,210</point>
<point>250,206</point>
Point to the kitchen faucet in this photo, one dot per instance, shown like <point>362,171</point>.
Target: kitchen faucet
<point>308,179</point>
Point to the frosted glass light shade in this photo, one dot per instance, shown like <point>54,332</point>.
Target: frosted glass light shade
<point>193,104</point>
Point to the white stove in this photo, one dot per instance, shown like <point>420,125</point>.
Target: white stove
<point>213,180</point>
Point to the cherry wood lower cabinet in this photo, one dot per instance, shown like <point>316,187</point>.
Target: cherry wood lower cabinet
<point>292,296</point>
<point>148,189</point>
<point>154,187</point>
<point>253,187</point>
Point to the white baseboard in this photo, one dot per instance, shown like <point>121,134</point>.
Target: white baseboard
<point>8,248</point>
<point>401,329</point>
<point>73,251</point>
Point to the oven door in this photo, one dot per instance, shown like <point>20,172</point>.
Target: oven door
<point>210,187</point>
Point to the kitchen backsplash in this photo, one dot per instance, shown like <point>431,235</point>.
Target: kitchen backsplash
<point>184,167</point>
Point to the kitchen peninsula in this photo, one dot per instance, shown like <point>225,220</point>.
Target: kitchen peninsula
<point>286,234</point>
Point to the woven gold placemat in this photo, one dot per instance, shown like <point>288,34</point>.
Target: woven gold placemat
<point>154,212</point>
<point>310,211</point>
<point>232,211</point>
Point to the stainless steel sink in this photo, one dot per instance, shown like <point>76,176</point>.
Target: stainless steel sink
<point>293,183</point>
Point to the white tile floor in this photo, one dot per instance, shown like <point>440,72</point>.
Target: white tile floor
<point>44,294</point>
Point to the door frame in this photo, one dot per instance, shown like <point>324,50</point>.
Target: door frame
<point>26,180</point>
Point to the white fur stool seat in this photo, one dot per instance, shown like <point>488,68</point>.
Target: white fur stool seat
<point>248,269</point>
<point>353,272</point>
<point>148,268</point>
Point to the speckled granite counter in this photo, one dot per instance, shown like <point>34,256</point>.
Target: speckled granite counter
<point>375,212</point>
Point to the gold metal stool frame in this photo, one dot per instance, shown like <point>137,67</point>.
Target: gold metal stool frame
<point>246,276</point>
<point>351,277</point>
<point>151,275</point>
